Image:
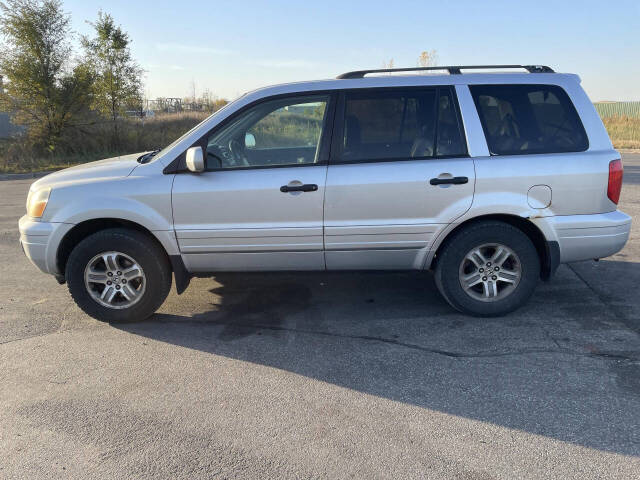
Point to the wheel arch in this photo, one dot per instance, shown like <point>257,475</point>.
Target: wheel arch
<point>83,229</point>
<point>165,239</point>
<point>548,251</point>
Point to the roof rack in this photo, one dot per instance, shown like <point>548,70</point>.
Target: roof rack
<point>452,69</point>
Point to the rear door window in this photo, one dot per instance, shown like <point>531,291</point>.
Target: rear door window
<point>400,125</point>
<point>450,140</point>
<point>527,119</point>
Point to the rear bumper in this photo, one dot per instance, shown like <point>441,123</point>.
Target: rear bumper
<point>585,237</point>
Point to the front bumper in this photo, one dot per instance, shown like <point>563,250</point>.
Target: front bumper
<point>586,237</point>
<point>40,240</point>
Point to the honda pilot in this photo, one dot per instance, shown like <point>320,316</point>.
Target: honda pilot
<point>488,176</point>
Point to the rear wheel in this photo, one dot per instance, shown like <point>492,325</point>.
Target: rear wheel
<point>488,269</point>
<point>118,275</point>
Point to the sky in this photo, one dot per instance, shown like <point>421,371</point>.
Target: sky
<point>230,47</point>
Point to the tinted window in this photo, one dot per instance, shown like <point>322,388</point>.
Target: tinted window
<point>450,140</point>
<point>399,125</point>
<point>521,119</point>
<point>276,132</point>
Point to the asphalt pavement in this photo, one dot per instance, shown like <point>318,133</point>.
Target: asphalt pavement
<point>323,375</point>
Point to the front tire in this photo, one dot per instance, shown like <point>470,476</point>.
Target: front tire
<point>487,269</point>
<point>118,275</point>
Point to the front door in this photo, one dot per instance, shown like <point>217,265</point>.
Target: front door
<point>398,172</point>
<point>258,205</point>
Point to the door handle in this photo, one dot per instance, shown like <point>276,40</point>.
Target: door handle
<point>450,181</point>
<point>307,187</point>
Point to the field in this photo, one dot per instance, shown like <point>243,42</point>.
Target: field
<point>624,131</point>
<point>93,143</point>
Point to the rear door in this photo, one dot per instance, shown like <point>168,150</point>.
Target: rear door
<point>398,172</point>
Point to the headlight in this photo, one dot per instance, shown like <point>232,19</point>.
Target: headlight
<point>37,202</point>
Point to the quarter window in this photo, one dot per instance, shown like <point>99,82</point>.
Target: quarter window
<point>400,125</point>
<point>273,133</point>
<point>527,119</point>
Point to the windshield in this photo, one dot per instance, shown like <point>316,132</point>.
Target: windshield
<point>189,132</point>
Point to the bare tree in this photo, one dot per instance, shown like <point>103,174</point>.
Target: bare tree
<point>427,58</point>
<point>192,87</point>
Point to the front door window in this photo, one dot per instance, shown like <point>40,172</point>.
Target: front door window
<point>273,133</point>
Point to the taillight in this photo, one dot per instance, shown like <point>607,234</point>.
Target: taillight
<point>615,180</point>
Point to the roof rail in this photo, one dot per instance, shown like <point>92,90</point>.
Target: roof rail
<point>452,69</point>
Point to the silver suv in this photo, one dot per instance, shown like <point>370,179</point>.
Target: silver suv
<point>489,179</point>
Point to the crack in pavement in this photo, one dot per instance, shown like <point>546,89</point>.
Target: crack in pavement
<point>611,355</point>
<point>412,346</point>
<point>547,334</point>
<point>618,314</point>
<point>5,342</point>
<point>447,353</point>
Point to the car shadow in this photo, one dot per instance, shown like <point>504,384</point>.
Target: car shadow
<point>563,366</point>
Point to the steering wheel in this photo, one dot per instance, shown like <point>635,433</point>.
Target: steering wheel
<point>237,151</point>
<point>220,154</point>
<point>226,156</point>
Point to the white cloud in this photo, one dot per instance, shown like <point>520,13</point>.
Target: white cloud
<point>180,48</point>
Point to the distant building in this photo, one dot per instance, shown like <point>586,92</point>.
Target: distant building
<point>7,128</point>
<point>5,125</point>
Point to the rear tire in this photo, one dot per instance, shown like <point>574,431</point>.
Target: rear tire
<point>487,269</point>
<point>118,275</point>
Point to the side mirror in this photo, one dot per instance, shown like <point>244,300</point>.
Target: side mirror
<point>195,160</point>
<point>249,140</point>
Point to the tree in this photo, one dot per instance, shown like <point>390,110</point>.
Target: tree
<point>118,78</point>
<point>427,59</point>
<point>388,64</point>
<point>192,87</point>
<point>43,92</point>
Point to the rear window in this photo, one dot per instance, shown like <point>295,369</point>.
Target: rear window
<point>527,119</point>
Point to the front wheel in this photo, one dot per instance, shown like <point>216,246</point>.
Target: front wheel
<point>118,275</point>
<point>488,269</point>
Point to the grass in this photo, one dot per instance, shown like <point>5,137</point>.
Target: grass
<point>94,142</point>
<point>624,131</point>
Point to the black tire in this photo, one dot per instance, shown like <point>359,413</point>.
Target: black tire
<point>463,241</point>
<point>146,252</point>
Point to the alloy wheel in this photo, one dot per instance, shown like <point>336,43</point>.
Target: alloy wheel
<point>490,272</point>
<point>114,280</point>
